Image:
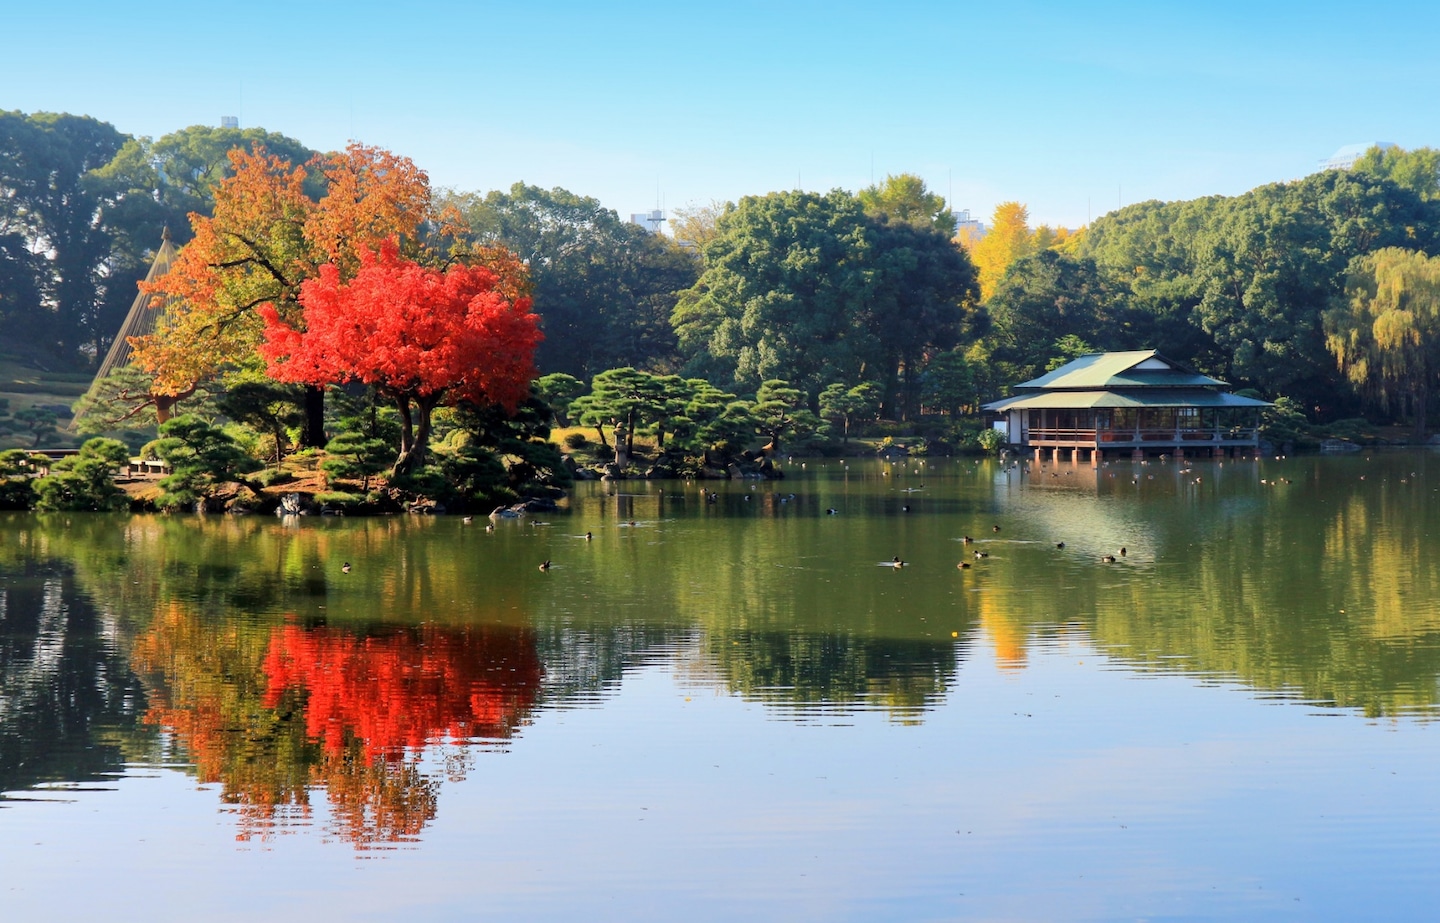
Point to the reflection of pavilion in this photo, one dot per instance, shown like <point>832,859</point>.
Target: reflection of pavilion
<point>1139,403</point>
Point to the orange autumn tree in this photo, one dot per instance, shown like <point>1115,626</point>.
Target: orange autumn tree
<point>267,236</point>
<point>422,337</point>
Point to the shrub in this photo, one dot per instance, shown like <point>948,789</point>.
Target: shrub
<point>342,499</point>
<point>85,481</point>
<point>17,489</point>
<point>271,477</point>
<point>202,458</point>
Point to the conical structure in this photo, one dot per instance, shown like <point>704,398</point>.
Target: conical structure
<point>139,321</point>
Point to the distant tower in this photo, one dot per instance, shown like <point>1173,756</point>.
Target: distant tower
<point>229,121</point>
<point>650,221</point>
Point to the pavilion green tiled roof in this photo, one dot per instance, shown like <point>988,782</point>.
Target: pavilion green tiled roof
<point>1081,400</point>
<point>1119,380</point>
<point>1117,370</point>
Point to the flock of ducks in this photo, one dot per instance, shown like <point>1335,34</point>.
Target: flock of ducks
<point>710,497</point>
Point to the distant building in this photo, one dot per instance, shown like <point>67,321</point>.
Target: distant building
<point>1134,403</point>
<point>229,121</point>
<point>968,230</point>
<point>650,221</point>
<point>1345,158</point>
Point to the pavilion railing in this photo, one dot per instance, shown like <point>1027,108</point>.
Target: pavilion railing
<point>1210,435</point>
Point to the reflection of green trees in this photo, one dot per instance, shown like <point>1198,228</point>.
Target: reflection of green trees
<point>790,605</point>
<point>1320,589</point>
<point>68,706</point>
<point>902,676</point>
<point>1337,607</point>
<point>1323,588</point>
<point>639,603</point>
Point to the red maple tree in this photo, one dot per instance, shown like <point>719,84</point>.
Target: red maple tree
<point>423,337</point>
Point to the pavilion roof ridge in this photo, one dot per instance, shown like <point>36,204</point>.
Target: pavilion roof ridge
<point>1139,368</point>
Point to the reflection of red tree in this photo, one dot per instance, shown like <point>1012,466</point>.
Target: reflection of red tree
<point>397,692</point>
<point>270,713</point>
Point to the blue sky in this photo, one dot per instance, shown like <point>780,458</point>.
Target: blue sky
<point>1068,107</point>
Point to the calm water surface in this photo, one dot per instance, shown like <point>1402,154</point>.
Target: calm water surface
<point>734,709</point>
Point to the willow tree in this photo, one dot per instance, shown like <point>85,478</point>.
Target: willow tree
<point>1385,335</point>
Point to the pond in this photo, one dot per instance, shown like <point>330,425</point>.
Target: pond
<point>726,702</point>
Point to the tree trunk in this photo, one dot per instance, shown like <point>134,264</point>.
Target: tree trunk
<point>313,434</point>
<point>414,456</point>
<point>890,396</point>
<point>1421,400</point>
<point>907,390</point>
<point>407,425</point>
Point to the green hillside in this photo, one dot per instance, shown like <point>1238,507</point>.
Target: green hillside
<point>26,384</point>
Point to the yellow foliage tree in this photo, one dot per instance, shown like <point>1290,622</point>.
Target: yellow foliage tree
<point>1008,239</point>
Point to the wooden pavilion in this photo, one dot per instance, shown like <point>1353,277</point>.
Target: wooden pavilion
<point>1139,403</point>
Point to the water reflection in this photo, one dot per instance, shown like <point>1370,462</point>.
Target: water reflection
<point>68,705</point>
<point>809,674</point>
<point>274,713</point>
<point>240,648</point>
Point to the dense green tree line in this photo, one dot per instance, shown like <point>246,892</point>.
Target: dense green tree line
<point>826,292</point>
<point>82,207</point>
<point>1240,285</point>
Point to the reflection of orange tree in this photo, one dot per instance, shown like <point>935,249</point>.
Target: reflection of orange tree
<point>205,686</point>
<point>268,711</point>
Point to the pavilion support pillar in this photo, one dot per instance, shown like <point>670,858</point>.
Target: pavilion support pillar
<point>1038,459</point>
<point>1055,456</point>
<point>1138,454</point>
<point>1179,452</point>
<point>1094,458</point>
